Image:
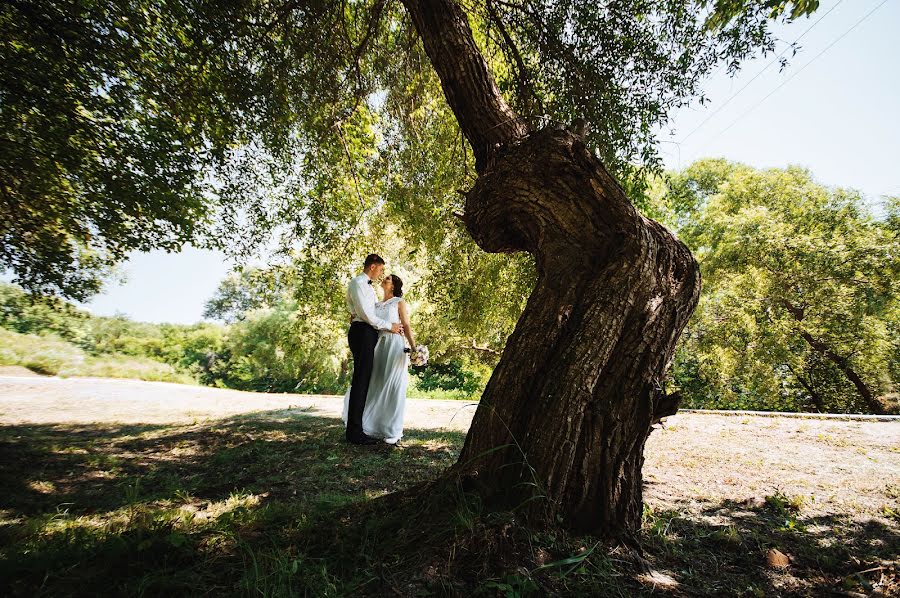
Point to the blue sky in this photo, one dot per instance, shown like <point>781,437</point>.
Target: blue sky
<point>838,115</point>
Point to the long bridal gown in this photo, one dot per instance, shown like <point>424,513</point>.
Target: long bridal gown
<point>386,399</point>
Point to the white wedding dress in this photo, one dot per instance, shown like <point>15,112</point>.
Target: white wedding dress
<point>386,399</point>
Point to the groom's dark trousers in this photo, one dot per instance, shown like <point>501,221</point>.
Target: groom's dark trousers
<point>362,339</point>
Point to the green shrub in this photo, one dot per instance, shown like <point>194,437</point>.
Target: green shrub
<point>44,362</point>
<point>52,356</point>
<point>283,349</point>
<point>452,379</point>
<point>449,375</point>
<point>42,354</point>
<point>29,314</point>
<point>138,368</point>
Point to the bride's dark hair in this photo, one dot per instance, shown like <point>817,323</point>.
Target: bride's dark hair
<point>398,285</point>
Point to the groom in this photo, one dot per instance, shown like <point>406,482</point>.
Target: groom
<point>362,337</point>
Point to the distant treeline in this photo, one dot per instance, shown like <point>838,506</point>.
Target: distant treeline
<point>268,350</point>
<point>800,307</point>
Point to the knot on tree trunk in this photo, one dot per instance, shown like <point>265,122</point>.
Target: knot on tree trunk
<point>665,404</point>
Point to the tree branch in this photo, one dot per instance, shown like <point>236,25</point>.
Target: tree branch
<point>842,362</point>
<point>523,81</point>
<point>815,397</point>
<point>338,128</point>
<point>356,55</point>
<point>483,114</point>
<point>371,30</point>
<point>475,347</point>
<point>281,13</point>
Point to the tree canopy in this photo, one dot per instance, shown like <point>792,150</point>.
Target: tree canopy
<point>147,124</point>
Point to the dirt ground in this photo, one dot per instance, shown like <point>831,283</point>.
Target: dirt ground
<point>44,400</point>
<point>832,466</point>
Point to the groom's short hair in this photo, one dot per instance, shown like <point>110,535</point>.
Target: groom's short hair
<point>372,258</point>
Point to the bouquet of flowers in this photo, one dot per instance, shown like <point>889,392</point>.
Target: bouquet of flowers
<point>418,357</point>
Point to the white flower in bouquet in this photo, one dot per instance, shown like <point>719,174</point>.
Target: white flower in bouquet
<point>419,357</point>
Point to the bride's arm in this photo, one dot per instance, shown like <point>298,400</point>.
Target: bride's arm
<point>407,329</point>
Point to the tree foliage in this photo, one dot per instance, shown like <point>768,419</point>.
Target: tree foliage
<point>800,301</point>
<point>145,124</point>
<point>127,125</point>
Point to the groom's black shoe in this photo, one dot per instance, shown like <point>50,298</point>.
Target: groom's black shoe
<point>362,439</point>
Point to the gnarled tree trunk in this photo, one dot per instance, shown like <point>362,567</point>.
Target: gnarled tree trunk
<point>561,427</point>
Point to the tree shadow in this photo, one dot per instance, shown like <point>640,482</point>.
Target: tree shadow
<point>275,503</point>
<point>725,547</point>
<point>88,468</point>
<point>88,508</point>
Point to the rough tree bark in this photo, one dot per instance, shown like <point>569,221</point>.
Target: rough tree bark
<point>560,429</point>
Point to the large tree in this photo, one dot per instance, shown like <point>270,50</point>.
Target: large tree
<point>800,290</point>
<point>137,124</point>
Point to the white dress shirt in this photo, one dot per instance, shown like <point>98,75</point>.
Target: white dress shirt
<point>361,303</point>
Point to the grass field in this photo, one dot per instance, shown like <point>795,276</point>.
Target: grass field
<point>275,504</point>
<point>52,356</point>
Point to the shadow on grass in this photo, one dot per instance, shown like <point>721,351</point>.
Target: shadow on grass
<point>151,508</point>
<point>274,503</point>
<point>92,468</point>
<point>723,550</point>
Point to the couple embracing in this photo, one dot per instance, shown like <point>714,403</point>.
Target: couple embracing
<point>374,404</point>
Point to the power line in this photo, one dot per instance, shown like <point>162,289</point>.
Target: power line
<point>795,73</point>
<point>764,69</point>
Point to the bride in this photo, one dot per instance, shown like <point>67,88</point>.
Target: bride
<point>386,399</point>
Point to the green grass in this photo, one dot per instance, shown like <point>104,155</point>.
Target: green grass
<point>414,392</point>
<point>50,355</point>
<point>157,509</point>
<point>276,505</point>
